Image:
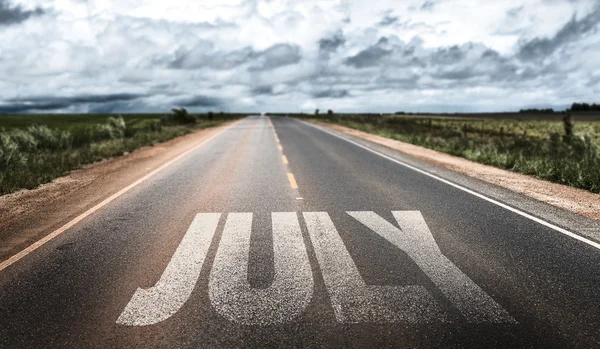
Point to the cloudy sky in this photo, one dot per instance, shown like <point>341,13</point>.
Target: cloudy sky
<point>251,55</point>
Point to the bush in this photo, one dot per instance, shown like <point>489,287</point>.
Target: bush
<point>103,131</point>
<point>44,136</point>
<point>10,155</point>
<point>24,140</point>
<point>65,140</point>
<point>118,126</point>
<point>181,116</point>
<point>167,119</point>
<point>154,126</point>
<point>114,129</point>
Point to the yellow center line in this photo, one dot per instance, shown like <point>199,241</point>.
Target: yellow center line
<point>292,181</point>
<point>291,177</point>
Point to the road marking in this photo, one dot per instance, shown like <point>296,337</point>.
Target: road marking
<point>352,300</point>
<point>292,181</point>
<point>158,303</point>
<point>460,187</point>
<point>271,123</point>
<point>10,261</point>
<point>292,287</point>
<point>284,159</point>
<point>416,240</point>
<point>273,129</point>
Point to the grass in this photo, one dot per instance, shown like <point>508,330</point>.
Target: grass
<point>541,148</point>
<point>35,149</point>
<point>68,121</point>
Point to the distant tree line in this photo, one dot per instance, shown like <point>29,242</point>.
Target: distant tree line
<point>329,112</point>
<point>576,107</point>
<point>181,116</point>
<point>585,107</point>
<point>536,111</point>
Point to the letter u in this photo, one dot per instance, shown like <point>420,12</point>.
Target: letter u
<point>292,288</point>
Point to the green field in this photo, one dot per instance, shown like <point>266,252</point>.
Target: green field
<point>69,121</point>
<point>35,149</point>
<point>541,148</point>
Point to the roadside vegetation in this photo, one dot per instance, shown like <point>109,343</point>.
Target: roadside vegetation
<point>36,149</point>
<point>566,152</point>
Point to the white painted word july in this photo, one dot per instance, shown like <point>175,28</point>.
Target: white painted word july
<point>353,301</point>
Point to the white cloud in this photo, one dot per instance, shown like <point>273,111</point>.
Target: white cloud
<point>259,55</point>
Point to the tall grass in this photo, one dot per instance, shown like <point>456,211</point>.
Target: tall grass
<point>37,154</point>
<point>556,151</point>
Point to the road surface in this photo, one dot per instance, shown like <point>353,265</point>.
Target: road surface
<point>275,233</point>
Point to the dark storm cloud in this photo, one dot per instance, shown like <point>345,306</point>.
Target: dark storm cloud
<point>515,11</point>
<point>458,74</point>
<point>277,56</point>
<point>328,46</point>
<point>14,108</point>
<point>389,52</point>
<point>501,68</point>
<point>388,20</point>
<point>489,53</point>
<point>262,90</point>
<point>460,63</point>
<point>448,55</point>
<point>119,107</point>
<point>48,103</point>
<point>370,56</point>
<point>410,66</point>
<point>331,44</point>
<point>407,81</point>
<point>198,58</point>
<point>593,81</point>
<point>198,101</point>
<point>572,31</point>
<point>273,57</point>
<point>428,5</point>
<point>331,93</point>
<point>13,14</point>
<point>234,59</point>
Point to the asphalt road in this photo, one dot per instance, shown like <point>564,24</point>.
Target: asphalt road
<point>277,234</point>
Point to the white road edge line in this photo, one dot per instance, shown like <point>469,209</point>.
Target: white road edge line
<point>481,196</point>
<point>13,259</point>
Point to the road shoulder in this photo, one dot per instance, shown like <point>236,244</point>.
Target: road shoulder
<point>573,209</point>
